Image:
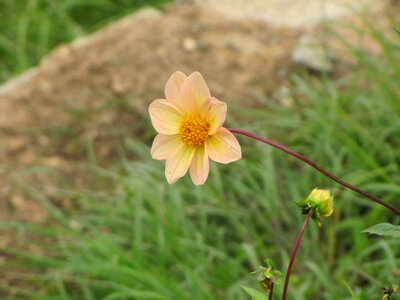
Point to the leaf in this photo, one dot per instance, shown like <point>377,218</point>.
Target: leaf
<point>255,295</point>
<point>384,229</point>
<point>352,293</point>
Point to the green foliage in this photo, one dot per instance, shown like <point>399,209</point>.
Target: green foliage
<point>354,296</point>
<point>384,229</point>
<point>29,29</point>
<point>255,295</point>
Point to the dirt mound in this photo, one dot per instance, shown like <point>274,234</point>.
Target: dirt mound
<point>105,81</point>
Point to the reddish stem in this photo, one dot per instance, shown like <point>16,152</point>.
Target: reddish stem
<point>317,167</point>
<point>293,256</point>
<point>271,292</point>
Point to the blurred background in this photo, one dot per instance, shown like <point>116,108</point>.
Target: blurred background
<point>85,213</point>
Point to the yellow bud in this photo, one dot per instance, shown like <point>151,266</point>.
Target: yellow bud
<point>319,204</point>
<point>323,200</point>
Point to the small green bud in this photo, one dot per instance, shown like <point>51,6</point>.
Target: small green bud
<point>319,204</point>
<point>267,275</point>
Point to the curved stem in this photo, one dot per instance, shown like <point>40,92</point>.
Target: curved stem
<point>293,256</point>
<point>271,292</point>
<point>317,167</point>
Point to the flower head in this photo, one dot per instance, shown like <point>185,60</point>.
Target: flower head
<point>190,133</point>
<point>319,203</point>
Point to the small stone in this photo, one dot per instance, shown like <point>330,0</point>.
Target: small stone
<point>189,44</point>
<point>312,55</point>
<point>118,85</point>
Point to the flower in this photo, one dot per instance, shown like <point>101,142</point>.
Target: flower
<point>190,133</point>
<point>319,203</point>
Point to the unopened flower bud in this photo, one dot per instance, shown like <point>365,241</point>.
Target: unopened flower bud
<point>319,204</point>
<point>267,275</point>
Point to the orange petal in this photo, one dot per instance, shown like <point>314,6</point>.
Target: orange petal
<point>194,92</point>
<point>200,166</point>
<point>223,147</point>
<point>215,113</point>
<point>179,163</point>
<point>164,145</point>
<point>166,117</point>
<point>173,87</point>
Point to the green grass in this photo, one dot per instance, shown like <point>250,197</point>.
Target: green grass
<point>140,238</point>
<point>29,29</point>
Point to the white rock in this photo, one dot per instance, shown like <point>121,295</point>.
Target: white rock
<point>312,55</point>
<point>291,13</point>
<point>189,44</point>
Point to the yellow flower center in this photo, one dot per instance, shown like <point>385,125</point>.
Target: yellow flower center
<point>194,130</point>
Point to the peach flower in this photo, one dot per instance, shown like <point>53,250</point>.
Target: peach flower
<point>190,133</point>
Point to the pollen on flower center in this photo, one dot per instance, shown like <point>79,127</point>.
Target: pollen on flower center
<point>194,130</point>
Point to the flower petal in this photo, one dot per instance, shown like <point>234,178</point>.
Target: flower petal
<point>223,147</point>
<point>173,87</point>
<point>164,145</point>
<point>200,166</point>
<point>166,117</point>
<point>215,113</point>
<point>194,92</point>
<point>179,163</point>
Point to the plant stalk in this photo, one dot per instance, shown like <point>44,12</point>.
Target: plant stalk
<point>271,292</point>
<point>317,167</point>
<point>293,256</point>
